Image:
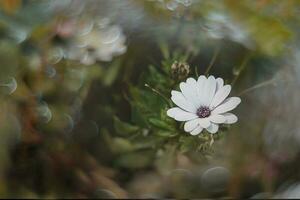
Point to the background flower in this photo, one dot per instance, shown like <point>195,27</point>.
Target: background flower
<point>98,44</point>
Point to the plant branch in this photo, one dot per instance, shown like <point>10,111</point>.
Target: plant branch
<point>241,69</point>
<point>158,93</point>
<point>212,61</point>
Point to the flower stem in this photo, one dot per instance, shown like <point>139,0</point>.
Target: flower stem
<point>241,68</point>
<point>158,93</point>
<point>216,53</point>
<point>196,71</point>
<point>212,140</point>
<point>259,85</point>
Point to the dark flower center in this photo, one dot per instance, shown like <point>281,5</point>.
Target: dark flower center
<point>203,112</point>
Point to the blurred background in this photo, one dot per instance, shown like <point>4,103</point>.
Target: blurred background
<point>84,87</point>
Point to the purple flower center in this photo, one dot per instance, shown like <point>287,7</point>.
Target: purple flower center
<point>203,112</point>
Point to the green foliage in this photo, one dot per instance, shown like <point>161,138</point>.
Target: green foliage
<point>123,128</point>
<point>121,145</point>
<point>135,160</point>
<point>149,103</point>
<point>112,73</point>
<point>145,104</point>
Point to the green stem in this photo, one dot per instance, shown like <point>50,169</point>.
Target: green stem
<point>241,69</point>
<point>260,85</point>
<point>158,93</point>
<point>212,62</point>
<point>212,140</point>
<point>196,71</point>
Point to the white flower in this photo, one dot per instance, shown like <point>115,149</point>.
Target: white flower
<point>98,44</point>
<point>203,104</point>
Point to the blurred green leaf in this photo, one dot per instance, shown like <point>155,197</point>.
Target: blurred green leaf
<point>123,128</point>
<point>111,73</point>
<point>188,143</point>
<point>9,55</point>
<point>145,105</point>
<point>160,124</point>
<point>121,145</point>
<point>135,160</point>
<point>166,133</point>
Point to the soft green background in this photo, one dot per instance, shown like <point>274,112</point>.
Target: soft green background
<point>70,130</point>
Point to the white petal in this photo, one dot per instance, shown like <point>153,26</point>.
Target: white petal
<point>220,96</point>
<point>213,128</point>
<point>230,118</point>
<point>189,91</point>
<point>180,101</point>
<point>186,91</point>
<point>191,81</point>
<point>218,119</point>
<point>180,115</point>
<point>201,83</point>
<point>228,105</point>
<point>197,130</point>
<point>204,122</point>
<point>191,125</point>
<point>201,79</point>
<point>209,90</point>
<point>220,83</point>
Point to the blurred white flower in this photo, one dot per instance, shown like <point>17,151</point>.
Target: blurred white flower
<point>97,44</point>
<point>203,104</point>
<point>290,192</point>
<point>219,26</point>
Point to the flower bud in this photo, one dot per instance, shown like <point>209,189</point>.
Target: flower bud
<point>180,70</point>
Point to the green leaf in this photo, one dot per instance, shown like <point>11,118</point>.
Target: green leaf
<point>145,104</point>
<point>112,73</point>
<point>121,145</point>
<point>188,143</point>
<point>135,160</point>
<point>123,128</point>
<point>9,59</point>
<point>163,133</point>
<point>150,141</point>
<point>160,124</point>
<point>156,79</point>
<point>164,49</point>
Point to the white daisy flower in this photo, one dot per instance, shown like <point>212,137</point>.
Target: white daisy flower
<point>101,44</point>
<point>203,104</point>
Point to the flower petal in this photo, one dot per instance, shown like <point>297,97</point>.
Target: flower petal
<point>213,128</point>
<point>209,90</point>
<point>197,130</point>
<point>204,122</point>
<point>188,90</point>
<point>192,83</point>
<point>220,83</point>
<point>230,118</point>
<point>180,101</point>
<point>201,78</point>
<point>191,125</point>
<point>218,119</point>
<point>220,96</point>
<point>201,83</point>
<point>180,115</point>
<point>228,105</point>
